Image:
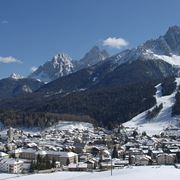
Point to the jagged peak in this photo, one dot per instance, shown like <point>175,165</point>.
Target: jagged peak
<point>16,76</point>
<point>173,29</point>
<point>97,49</point>
<point>61,57</point>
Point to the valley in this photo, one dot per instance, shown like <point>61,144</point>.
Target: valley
<point>99,113</point>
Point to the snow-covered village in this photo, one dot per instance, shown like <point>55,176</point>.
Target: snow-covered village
<point>89,89</point>
<point>77,147</point>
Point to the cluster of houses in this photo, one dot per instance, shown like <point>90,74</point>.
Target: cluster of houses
<point>87,150</point>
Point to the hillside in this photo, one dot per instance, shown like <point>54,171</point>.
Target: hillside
<point>162,119</point>
<point>113,90</point>
<point>14,86</point>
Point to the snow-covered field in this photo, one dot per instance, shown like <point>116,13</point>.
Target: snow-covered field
<point>61,125</point>
<point>163,119</point>
<point>134,173</point>
<point>69,125</point>
<point>8,176</point>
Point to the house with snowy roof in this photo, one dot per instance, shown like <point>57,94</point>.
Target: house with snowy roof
<point>168,159</point>
<point>78,166</point>
<point>31,154</point>
<point>4,155</point>
<point>11,165</point>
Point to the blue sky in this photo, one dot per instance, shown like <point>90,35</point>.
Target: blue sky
<point>32,31</point>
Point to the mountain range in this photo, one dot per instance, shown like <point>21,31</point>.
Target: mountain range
<point>108,88</point>
<point>62,64</point>
<point>16,85</point>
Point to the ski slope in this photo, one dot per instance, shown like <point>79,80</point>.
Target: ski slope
<point>162,120</point>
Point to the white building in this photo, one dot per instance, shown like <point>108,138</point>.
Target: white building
<point>11,165</point>
<point>63,157</point>
<point>142,160</point>
<point>165,159</point>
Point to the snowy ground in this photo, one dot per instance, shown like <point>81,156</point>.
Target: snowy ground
<point>71,125</point>
<point>61,125</point>
<point>134,173</point>
<point>4,176</point>
<point>163,119</point>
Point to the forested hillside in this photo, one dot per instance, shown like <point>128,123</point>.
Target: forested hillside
<point>38,119</point>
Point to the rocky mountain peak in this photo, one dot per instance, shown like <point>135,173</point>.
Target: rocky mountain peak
<point>62,57</point>
<point>15,76</point>
<point>92,57</point>
<point>173,30</point>
<point>95,53</point>
<point>172,38</point>
<point>62,60</point>
<point>62,64</point>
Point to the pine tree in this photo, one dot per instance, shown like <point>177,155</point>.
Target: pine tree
<point>67,161</point>
<point>47,162</point>
<point>39,162</point>
<point>53,163</point>
<point>115,153</point>
<point>32,167</point>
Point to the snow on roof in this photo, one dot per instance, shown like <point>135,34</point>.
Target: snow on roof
<point>90,161</point>
<point>106,152</point>
<point>2,154</point>
<point>61,153</point>
<point>174,150</point>
<point>10,161</point>
<point>169,155</point>
<point>31,144</point>
<point>79,165</point>
<point>145,157</point>
<point>16,151</point>
<point>28,150</point>
<point>72,165</point>
<point>145,151</point>
<point>157,151</point>
<point>41,152</point>
<point>82,165</point>
<point>67,154</point>
<point>129,144</point>
<point>120,161</point>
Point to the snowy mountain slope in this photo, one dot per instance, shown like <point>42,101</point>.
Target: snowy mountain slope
<point>172,59</point>
<point>162,120</point>
<point>165,48</point>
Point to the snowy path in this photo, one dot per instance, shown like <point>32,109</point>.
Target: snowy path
<point>162,120</point>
